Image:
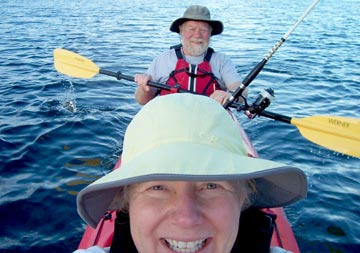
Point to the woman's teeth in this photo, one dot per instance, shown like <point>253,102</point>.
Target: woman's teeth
<point>185,247</point>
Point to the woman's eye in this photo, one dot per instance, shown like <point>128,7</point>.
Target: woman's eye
<point>157,187</point>
<point>211,186</point>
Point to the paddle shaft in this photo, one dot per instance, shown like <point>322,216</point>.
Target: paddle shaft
<point>120,76</point>
<point>256,70</point>
<point>276,116</point>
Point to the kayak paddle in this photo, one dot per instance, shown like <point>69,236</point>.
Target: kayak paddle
<point>75,65</point>
<point>341,134</point>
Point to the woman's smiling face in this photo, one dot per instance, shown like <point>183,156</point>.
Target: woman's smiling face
<point>179,216</point>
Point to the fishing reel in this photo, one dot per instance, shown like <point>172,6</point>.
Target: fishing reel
<point>262,101</point>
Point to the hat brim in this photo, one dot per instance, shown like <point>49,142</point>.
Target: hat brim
<point>217,26</point>
<point>276,184</point>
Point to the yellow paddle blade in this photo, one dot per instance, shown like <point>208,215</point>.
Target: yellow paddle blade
<point>74,65</point>
<point>340,134</point>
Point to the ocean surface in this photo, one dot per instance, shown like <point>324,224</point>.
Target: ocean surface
<point>58,134</point>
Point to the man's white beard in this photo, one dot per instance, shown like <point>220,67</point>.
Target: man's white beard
<point>197,49</point>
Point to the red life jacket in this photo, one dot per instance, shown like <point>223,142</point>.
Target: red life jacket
<point>197,78</point>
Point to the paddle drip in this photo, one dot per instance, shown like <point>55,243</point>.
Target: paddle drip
<point>69,102</point>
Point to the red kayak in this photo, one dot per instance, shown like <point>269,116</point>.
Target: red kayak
<point>258,228</point>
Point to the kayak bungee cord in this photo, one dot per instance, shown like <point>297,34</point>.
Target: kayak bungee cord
<point>256,70</point>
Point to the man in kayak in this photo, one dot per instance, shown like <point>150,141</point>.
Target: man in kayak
<point>193,64</point>
<point>184,181</point>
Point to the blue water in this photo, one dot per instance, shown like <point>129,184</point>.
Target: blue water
<point>58,134</point>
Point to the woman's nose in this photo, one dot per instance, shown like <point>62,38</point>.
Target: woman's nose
<point>187,211</point>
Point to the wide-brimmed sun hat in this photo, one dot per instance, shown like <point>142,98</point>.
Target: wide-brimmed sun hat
<point>197,13</point>
<point>186,137</point>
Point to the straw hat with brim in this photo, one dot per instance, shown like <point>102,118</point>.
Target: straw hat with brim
<point>185,137</point>
<point>197,13</point>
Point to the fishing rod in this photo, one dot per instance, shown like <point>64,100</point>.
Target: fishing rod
<point>256,70</point>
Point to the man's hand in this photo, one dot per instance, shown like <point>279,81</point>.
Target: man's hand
<point>144,93</point>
